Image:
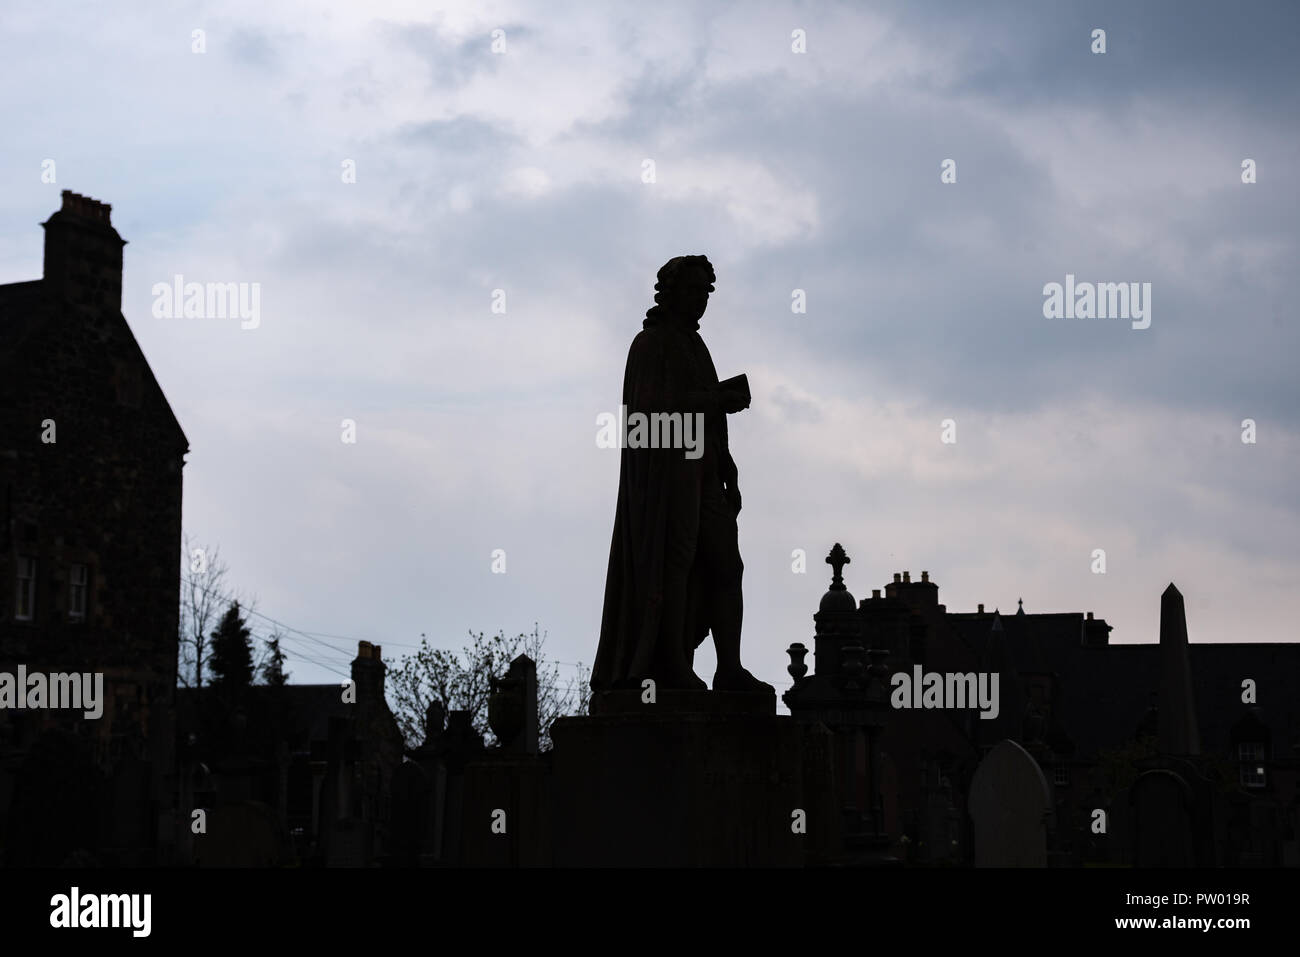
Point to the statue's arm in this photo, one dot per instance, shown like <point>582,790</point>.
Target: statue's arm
<point>706,400</point>
<point>654,371</point>
<point>716,399</point>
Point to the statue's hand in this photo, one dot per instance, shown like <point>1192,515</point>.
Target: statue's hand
<point>733,401</point>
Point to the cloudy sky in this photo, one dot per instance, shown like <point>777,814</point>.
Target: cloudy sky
<point>523,169</point>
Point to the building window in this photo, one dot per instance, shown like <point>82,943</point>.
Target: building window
<point>1251,756</point>
<point>25,603</point>
<point>1061,775</point>
<point>78,578</point>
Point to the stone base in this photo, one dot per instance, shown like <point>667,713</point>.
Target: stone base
<point>507,811</point>
<point>652,786</point>
<point>683,702</point>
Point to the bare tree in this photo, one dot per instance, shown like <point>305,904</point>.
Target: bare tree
<point>203,601</point>
<point>462,681</point>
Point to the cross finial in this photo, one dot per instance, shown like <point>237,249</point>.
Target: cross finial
<point>837,559</point>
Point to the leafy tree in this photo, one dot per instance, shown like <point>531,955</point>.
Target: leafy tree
<point>231,664</point>
<point>461,682</point>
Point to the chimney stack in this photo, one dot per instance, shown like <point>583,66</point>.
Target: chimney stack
<point>83,254</point>
<point>368,673</point>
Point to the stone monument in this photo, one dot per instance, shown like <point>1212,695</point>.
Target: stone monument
<point>665,772</point>
<point>674,564</point>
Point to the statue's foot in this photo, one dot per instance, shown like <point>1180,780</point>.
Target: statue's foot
<point>683,679</point>
<point>692,682</point>
<point>739,679</point>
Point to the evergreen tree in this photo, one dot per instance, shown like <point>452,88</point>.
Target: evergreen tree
<point>273,673</point>
<point>232,652</point>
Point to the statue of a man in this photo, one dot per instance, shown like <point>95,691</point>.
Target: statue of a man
<point>674,564</point>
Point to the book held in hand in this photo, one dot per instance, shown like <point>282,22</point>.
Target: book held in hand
<point>737,383</point>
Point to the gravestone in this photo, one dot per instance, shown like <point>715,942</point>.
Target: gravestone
<point>1010,804</point>
<point>243,834</point>
<point>512,707</point>
<point>350,843</point>
<point>507,816</point>
<point>411,815</point>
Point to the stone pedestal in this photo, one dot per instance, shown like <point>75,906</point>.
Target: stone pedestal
<point>698,779</point>
<point>669,701</point>
<point>507,812</point>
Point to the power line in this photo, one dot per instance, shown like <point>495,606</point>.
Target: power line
<point>274,621</point>
<point>312,637</point>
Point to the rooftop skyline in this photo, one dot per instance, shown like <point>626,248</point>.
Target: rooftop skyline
<point>523,169</point>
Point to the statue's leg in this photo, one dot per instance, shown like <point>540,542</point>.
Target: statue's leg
<point>672,664</point>
<point>692,636</point>
<point>720,548</point>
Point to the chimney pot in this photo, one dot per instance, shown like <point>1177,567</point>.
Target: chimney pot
<point>981,608</point>
<point>897,578</point>
<point>87,207</point>
<point>907,577</point>
<point>875,593</point>
<point>925,576</point>
<point>1090,616</point>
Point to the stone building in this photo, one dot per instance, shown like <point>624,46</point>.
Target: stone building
<point>90,478</point>
<point>1088,712</point>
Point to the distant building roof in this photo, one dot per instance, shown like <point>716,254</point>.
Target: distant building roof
<point>1105,690</point>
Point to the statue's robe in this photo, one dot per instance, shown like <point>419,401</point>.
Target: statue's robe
<point>657,521</point>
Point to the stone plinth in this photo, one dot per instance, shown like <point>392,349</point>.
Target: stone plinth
<point>684,702</point>
<point>507,816</point>
<point>645,785</point>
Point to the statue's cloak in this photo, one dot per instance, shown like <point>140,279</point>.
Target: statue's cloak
<point>669,369</point>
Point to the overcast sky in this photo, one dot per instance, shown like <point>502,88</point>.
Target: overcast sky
<point>523,170</point>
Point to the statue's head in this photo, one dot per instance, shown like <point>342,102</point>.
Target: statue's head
<point>684,286</point>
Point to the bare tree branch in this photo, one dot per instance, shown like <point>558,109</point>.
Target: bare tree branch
<point>202,602</point>
<point>462,682</point>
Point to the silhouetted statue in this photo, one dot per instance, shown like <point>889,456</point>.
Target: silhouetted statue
<point>674,564</point>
